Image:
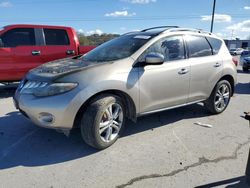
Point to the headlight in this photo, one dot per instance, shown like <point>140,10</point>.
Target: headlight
<point>42,89</point>
<point>21,84</point>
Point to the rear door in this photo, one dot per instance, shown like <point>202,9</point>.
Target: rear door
<point>57,44</point>
<point>206,66</point>
<point>19,53</point>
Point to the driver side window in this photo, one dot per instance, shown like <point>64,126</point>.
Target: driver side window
<point>171,47</point>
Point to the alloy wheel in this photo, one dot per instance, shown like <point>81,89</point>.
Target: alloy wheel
<point>111,122</point>
<point>222,97</point>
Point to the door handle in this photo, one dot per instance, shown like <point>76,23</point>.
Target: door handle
<point>217,64</point>
<point>36,52</point>
<point>183,71</point>
<point>70,52</point>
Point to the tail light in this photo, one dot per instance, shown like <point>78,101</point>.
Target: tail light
<point>235,61</point>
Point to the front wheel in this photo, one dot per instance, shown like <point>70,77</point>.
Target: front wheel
<point>103,121</point>
<point>219,98</point>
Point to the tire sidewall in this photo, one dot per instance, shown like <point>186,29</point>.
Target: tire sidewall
<point>218,85</point>
<point>100,105</point>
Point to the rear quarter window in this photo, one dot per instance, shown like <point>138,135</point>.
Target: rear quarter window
<point>215,43</point>
<point>56,37</point>
<point>198,46</point>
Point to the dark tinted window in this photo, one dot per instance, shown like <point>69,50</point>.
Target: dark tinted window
<point>19,37</point>
<point>56,37</point>
<point>198,46</point>
<point>215,43</point>
<point>171,47</point>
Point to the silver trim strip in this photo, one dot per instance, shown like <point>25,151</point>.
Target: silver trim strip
<point>168,108</point>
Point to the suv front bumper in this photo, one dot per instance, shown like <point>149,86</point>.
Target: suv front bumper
<point>55,112</point>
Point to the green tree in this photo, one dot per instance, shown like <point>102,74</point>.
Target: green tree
<point>95,39</point>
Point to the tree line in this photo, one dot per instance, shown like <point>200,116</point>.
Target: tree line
<point>95,39</point>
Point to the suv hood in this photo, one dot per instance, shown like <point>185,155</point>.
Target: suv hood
<point>58,68</point>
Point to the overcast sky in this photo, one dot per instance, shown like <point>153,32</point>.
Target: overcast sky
<point>232,17</point>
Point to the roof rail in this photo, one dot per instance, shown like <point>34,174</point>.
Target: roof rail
<point>160,27</point>
<point>188,29</point>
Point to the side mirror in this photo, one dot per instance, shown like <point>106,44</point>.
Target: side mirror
<point>154,58</point>
<point>1,43</point>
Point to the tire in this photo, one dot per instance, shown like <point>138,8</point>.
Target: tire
<point>98,128</point>
<point>245,69</point>
<point>219,98</point>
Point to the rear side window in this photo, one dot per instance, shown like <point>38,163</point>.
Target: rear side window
<point>215,43</point>
<point>19,37</point>
<point>198,46</point>
<point>56,37</point>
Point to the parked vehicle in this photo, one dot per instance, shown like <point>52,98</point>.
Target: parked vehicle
<point>137,74</point>
<point>246,64</point>
<point>23,47</point>
<point>236,51</point>
<point>232,51</point>
<point>245,53</point>
<point>244,60</point>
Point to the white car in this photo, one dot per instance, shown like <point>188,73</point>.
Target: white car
<point>236,51</point>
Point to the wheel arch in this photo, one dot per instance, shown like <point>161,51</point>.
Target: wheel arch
<point>230,79</point>
<point>127,100</point>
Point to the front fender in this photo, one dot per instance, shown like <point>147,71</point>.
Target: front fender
<point>126,83</point>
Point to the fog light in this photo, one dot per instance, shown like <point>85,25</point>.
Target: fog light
<point>46,117</point>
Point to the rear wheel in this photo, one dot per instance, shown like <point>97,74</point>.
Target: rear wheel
<point>219,98</point>
<point>103,121</point>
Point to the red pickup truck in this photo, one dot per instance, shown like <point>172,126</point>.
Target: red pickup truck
<point>23,47</point>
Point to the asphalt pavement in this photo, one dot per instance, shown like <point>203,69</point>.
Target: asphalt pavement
<point>165,149</point>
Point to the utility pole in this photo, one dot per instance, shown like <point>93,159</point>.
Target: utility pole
<point>232,34</point>
<point>212,22</point>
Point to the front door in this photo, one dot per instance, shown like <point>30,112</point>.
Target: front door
<point>165,85</point>
<point>19,53</point>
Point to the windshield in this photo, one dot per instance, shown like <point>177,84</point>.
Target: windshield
<point>118,48</point>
